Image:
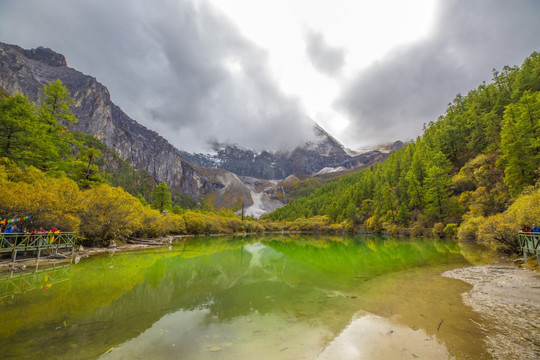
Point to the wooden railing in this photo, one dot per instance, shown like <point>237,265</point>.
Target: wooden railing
<point>530,243</point>
<point>15,242</point>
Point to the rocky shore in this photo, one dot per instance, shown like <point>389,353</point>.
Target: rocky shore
<point>508,297</point>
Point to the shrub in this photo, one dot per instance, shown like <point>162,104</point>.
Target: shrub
<point>499,232</point>
<point>468,229</point>
<point>373,224</point>
<point>392,229</point>
<point>438,230</point>
<point>108,212</point>
<point>450,230</point>
<point>417,229</point>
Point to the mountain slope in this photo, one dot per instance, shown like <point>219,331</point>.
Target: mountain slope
<point>26,71</point>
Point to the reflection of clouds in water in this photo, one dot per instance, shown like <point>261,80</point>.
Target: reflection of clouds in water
<point>175,335</point>
<point>372,337</point>
<point>196,335</point>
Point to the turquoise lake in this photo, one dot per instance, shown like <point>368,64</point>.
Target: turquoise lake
<point>253,297</point>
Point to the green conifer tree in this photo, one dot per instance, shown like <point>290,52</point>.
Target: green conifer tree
<point>161,197</point>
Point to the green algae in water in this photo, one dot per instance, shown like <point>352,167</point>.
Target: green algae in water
<point>269,297</point>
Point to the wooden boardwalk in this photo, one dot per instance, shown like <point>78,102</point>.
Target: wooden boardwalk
<point>530,244</point>
<point>17,242</point>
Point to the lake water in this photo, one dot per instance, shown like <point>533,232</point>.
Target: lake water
<point>269,297</point>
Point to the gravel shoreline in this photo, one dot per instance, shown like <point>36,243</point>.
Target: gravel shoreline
<point>508,298</point>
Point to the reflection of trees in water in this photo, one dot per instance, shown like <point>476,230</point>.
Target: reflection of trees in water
<point>366,257</point>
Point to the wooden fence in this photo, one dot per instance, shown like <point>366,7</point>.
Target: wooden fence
<point>530,243</point>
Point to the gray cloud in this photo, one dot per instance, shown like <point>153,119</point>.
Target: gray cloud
<point>182,69</point>
<point>392,98</point>
<point>325,58</point>
<point>178,67</point>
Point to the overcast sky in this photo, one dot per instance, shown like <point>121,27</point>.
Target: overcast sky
<point>257,73</point>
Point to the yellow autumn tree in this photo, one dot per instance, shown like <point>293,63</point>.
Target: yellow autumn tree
<point>501,230</point>
<point>52,202</point>
<point>107,213</point>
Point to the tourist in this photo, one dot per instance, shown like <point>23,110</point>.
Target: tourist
<point>8,236</point>
<point>535,229</point>
<point>31,239</point>
<point>42,240</point>
<point>54,231</point>
<point>525,229</point>
<point>15,230</point>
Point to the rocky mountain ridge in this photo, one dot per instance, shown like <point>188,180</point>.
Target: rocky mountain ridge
<point>325,154</point>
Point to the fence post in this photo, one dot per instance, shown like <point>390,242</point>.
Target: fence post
<point>522,243</point>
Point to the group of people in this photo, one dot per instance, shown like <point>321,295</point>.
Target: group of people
<point>11,231</point>
<point>533,229</point>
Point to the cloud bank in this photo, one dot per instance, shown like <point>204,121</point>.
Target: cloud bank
<point>412,85</point>
<point>184,69</point>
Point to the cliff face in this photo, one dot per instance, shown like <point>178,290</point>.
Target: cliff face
<point>26,71</point>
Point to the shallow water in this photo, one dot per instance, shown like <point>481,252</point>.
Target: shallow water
<point>269,297</point>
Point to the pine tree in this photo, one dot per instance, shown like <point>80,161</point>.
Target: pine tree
<point>161,197</point>
<point>55,113</point>
<point>437,193</point>
<point>55,104</point>
<point>87,172</point>
<point>17,125</point>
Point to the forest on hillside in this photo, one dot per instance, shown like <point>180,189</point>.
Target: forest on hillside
<point>474,173</point>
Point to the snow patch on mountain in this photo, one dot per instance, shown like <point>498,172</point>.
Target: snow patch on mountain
<point>328,170</point>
